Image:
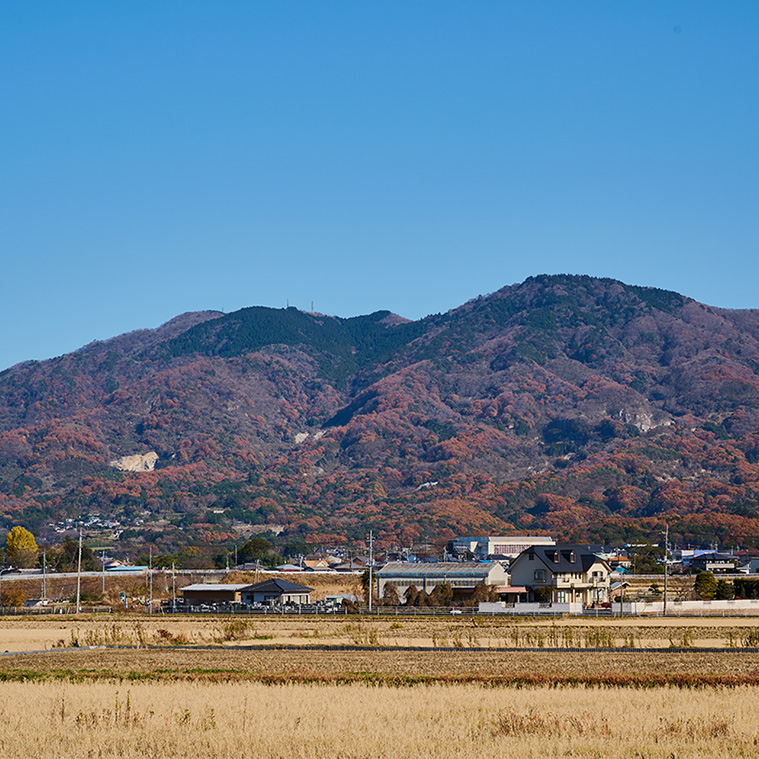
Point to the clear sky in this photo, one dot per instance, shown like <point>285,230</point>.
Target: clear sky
<point>166,157</point>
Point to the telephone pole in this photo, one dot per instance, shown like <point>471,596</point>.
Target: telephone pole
<point>79,575</point>
<point>150,570</point>
<point>666,563</point>
<point>371,566</point>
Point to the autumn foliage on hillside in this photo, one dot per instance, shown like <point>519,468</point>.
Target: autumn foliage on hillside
<point>583,407</point>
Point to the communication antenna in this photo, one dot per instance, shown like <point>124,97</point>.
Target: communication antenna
<point>312,307</point>
<point>288,303</point>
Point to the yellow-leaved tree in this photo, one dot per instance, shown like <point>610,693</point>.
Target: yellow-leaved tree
<point>21,547</point>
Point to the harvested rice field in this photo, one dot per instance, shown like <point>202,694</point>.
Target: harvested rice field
<point>29,633</point>
<point>176,686</point>
<point>306,721</point>
<point>388,666</point>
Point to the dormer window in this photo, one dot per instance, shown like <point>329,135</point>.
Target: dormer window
<point>555,557</point>
<point>572,557</point>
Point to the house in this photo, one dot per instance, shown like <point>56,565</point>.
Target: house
<point>289,568</point>
<point>276,591</point>
<point>562,574</point>
<point>462,576</point>
<point>212,593</point>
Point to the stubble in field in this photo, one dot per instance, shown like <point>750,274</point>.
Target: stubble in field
<point>222,720</point>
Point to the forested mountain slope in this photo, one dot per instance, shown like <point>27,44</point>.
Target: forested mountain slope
<point>586,407</point>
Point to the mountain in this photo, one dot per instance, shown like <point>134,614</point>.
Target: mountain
<point>586,407</point>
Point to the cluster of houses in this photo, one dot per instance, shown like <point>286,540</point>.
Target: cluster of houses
<point>268,592</point>
<point>516,571</point>
<point>542,572</point>
<point>529,569</point>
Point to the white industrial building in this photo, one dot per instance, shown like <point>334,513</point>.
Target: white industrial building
<point>502,546</point>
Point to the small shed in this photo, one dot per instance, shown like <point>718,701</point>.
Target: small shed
<point>212,593</point>
<point>276,591</point>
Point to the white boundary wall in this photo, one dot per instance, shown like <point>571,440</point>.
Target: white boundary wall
<point>675,608</point>
<point>631,608</point>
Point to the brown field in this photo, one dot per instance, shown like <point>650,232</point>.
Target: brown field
<point>387,666</point>
<point>347,687</point>
<point>223,720</point>
<point>28,633</point>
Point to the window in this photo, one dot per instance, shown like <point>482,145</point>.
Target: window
<point>561,596</point>
<point>540,575</point>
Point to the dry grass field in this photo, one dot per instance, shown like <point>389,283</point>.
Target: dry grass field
<point>348,687</point>
<point>223,720</point>
<point>30,633</point>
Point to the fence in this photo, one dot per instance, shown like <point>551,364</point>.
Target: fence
<point>12,611</point>
<point>532,609</point>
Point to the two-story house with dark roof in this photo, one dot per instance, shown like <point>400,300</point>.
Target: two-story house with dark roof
<point>562,574</point>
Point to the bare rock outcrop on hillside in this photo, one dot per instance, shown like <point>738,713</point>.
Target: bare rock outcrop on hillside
<point>138,462</point>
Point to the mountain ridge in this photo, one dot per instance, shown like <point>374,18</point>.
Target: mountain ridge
<point>568,403</point>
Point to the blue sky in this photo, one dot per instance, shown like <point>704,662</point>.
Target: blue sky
<point>167,157</point>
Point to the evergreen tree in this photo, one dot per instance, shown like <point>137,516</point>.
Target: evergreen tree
<point>705,585</point>
<point>725,591</point>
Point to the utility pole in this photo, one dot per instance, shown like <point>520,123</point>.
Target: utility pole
<point>150,570</point>
<point>44,575</point>
<point>173,586</point>
<point>371,566</point>
<point>666,563</point>
<point>79,575</point>
<point>102,559</point>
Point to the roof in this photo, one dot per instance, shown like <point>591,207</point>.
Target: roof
<point>447,568</point>
<point>215,586</point>
<point>714,557</point>
<point>584,558</point>
<point>276,586</point>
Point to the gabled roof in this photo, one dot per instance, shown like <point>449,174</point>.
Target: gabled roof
<point>276,586</point>
<point>548,555</point>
